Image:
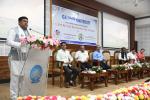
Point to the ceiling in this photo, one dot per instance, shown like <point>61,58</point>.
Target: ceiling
<point>137,8</point>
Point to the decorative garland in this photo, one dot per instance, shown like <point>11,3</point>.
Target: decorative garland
<point>137,92</point>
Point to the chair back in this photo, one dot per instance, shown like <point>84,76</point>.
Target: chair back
<point>90,56</point>
<point>116,54</point>
<point>73,55</point>
<point>107,56</point>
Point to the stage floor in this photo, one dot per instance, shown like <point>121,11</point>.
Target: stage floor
<point>56,90</point>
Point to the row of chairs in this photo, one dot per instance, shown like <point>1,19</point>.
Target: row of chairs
<point>59,70</point>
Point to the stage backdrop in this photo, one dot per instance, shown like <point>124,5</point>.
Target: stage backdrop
<point>12,9</point>
<point>73,27</point>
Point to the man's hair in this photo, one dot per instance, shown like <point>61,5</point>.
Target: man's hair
<point>82,45</point>
<point>62,43</point>
<point>21,18</point>
<point>123,48</point>
<point>143,49</point>
<point>132,49</point>
<point>98,45</point>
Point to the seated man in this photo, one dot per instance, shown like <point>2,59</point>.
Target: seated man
<point>132,56</point>
<point>140,55</point>
<point>123,56</point>
<point>70,72</point>
<point>83,57</point>
<point>98,56</point>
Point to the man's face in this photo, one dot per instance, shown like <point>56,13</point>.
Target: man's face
<point>64,46</point>
<point>98,47</point>
<point>82,48</point>
<point>142,51</point>
<point>133,51</point>
<point>124,49</point>
<point>23,24</point>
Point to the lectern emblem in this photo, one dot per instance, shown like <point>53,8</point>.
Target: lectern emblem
<point>36,73</point>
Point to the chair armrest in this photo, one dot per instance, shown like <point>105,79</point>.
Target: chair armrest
<point>78,63</point>
<point>96,62</point>
<point>59,64</point>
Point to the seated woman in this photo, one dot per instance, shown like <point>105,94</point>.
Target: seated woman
<point>140,55</point>
<point>123,56</point>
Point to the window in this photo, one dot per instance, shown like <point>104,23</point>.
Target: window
<point>115,32</point>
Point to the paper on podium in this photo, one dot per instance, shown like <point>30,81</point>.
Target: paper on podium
<point>35,73</point>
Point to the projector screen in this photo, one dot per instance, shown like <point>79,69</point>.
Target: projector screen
<point>12,9</point>
<point>115,31</point>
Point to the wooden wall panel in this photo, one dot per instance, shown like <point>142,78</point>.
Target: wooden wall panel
<point>4,68</point>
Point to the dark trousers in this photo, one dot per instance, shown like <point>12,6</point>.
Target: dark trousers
<point>71,73</point>
<point>102,64</point>
<point>85,66</point>
<point>122,61</point>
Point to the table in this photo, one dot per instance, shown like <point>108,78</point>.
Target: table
<point>116,73</point>
<point>92,77</point>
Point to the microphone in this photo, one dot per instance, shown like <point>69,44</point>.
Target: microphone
<point>35,31</point>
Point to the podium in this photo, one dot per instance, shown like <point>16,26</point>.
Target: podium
<point>35,72</point>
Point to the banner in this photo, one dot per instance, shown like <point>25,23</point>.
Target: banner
<point>35,73</point>
<point>73,27</point>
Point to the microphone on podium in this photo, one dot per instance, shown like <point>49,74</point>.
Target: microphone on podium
<point>35,31</point>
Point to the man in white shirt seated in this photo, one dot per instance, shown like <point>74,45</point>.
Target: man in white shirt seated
<point>132,56</point>
<point>83,57</point>
<point>71,72</point>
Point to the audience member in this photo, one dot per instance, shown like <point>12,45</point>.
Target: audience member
<point>140,55</point>
<point>82,57</point>
<point>123,56</point>
<point>98,57</point>
<point>132,56</point>
<point>70,71</point>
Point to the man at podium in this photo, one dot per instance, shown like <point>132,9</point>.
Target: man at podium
<point>16,55</point>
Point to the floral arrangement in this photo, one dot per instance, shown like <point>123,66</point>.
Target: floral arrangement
<point>42,42</point>
<point>120,67</point>
<point>97,69</point>
<point>41,98</point>
<point>137,92</point>
<point>136,66</point>
<point>146,65</point>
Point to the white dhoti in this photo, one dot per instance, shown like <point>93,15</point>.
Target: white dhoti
<point>16,77</point>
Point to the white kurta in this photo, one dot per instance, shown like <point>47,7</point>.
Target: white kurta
<point>15,61</point>
<point>82,56</point>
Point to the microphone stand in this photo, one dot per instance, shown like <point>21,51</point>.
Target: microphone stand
<point>21,58</point>
<point>35,31</point>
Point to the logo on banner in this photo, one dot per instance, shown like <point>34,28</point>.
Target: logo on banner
<point>80,36</point>
<point>36,73</point>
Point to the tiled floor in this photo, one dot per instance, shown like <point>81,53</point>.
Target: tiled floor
<point>56,90</point>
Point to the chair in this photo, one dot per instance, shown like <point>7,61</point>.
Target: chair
<point>57,67</point>
<point>116,54</point>
<point>74,63</point>
<point>91,57</point>
<point>93,62</point>
<point>107,56</point>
